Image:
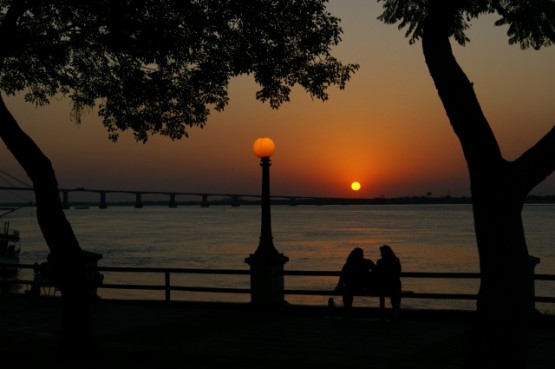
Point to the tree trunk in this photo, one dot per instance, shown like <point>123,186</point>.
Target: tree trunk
<point>498,190</point>
<point>65,252</point>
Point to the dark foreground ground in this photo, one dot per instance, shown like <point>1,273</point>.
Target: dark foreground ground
<point>155,335</point>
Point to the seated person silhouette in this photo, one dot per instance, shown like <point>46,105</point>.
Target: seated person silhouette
<point>356,276</point>
<point>388,271</point>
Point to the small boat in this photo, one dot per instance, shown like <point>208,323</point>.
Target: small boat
<point>10,247</point>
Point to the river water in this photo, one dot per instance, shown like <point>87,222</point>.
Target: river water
<point>427,238</point>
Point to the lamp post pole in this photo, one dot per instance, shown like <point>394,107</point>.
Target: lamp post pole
<point>266,263</point>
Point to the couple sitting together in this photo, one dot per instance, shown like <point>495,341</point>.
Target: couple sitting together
<point>362,276</point>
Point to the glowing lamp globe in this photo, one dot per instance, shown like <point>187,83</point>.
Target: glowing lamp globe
<point>263,147</point>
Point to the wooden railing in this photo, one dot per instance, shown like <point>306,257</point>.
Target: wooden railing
<point>168,286</point>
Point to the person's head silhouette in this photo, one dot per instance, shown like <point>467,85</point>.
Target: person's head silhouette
<point>387,252</point>
<point>356,254</point>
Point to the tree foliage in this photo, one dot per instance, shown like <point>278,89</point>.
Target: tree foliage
<point>531,23</point>
<point>158,67</point>
<point>152,67</point>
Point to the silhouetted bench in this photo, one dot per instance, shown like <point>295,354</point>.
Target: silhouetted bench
<point>369,293</point>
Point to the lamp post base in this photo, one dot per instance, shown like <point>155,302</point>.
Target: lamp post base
<point>267,279</point>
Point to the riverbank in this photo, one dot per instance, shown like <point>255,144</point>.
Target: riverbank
<point>180,335</point>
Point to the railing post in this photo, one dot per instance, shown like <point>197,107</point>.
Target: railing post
<point>103,204</point>
<point>138,200</point>
<point>532,262</point>
<point>167,282</point>
<point>65,201</point>
<point>173,203</point>
<point>5,285</point>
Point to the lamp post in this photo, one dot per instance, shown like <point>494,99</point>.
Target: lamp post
<point>266,263</point>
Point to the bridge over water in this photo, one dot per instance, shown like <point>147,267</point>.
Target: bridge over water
<point>172,202</point>
<point>204,199</point>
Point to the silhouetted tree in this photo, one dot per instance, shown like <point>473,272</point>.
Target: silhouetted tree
<point>498,186</point>
<point>152,67</point>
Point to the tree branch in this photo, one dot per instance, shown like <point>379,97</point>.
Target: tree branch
<point>537,163</point>
<point>456,92</point>
<point>8,27</point>
<point>39,169</point>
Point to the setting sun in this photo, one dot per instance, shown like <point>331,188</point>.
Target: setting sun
<point>355,186</point>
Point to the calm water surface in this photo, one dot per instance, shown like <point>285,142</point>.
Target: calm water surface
<point>430,238</point>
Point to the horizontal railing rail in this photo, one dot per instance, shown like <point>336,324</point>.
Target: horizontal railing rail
<point>168,286</point>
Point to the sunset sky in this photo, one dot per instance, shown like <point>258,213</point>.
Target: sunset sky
<point>386,130</point>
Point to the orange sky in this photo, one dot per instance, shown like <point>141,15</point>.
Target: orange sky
<point>387,129</point>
